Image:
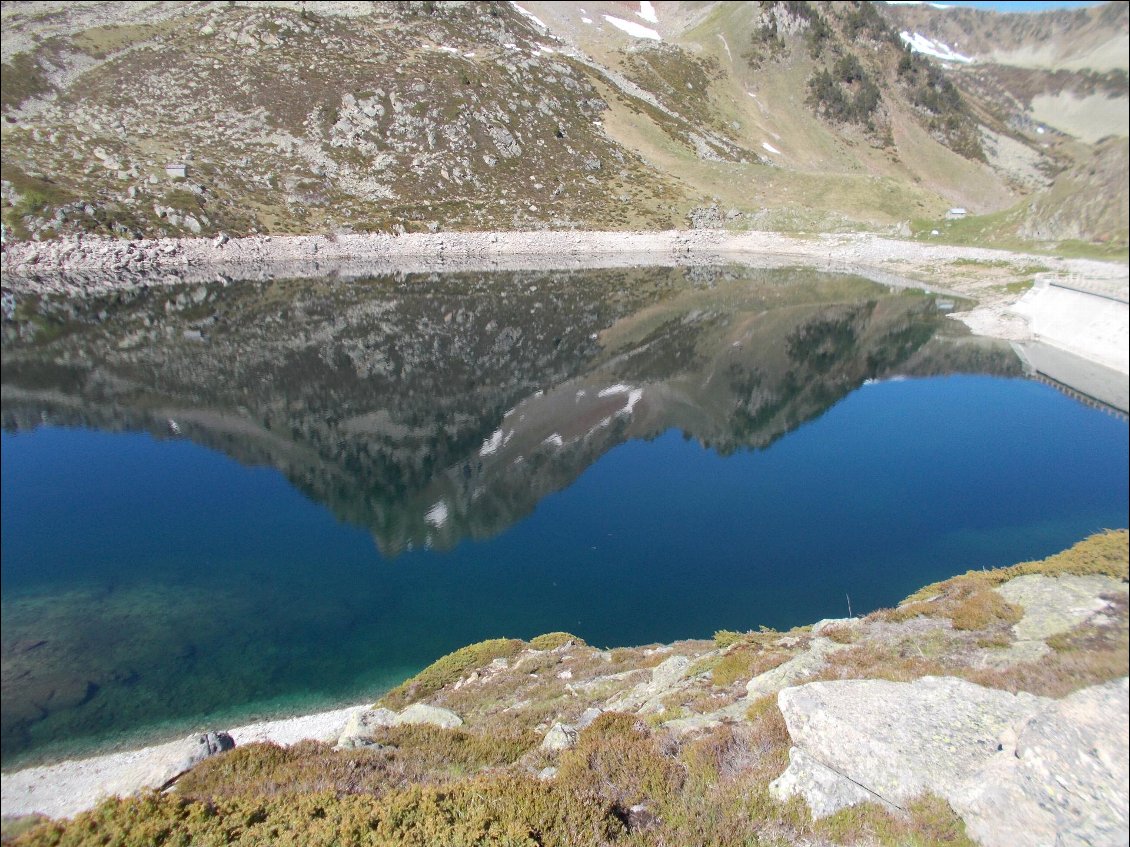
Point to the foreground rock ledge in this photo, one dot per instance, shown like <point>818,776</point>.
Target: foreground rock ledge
<point>1020,770</point>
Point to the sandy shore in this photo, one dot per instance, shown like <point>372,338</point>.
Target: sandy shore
<point>67,788</point>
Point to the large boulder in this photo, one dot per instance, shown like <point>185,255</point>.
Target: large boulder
<point>358,731</point>
<point>419,713</point>
<point>169,761</point>
<point>1065,782</point>
<point>895,740</point>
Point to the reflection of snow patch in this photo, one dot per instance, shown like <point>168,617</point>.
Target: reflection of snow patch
<point>921,44</point>
<point>618,388</point>
<point>507,413</point>
<point>633,29</point>
<point>771,148</point>
<point>555,440</point>
<point>491,445</point>
<point>581,394</point>
<point>538,394</point>
<point>633,397</point>
<point>437,514</point>
<point>530,15</point>
<point>647,12</point>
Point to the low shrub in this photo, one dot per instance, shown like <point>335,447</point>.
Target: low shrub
<point>449,669</point>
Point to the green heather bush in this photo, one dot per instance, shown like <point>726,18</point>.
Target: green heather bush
<point>401,756</point>
<point>553,640</point>
<point>618,757</point>
<point>504,810</point>
<point>449,669</point>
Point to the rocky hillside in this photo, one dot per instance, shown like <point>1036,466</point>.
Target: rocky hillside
<point>357,117</point>
<point>987,709</point>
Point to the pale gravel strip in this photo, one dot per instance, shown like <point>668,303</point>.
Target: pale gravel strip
<point>63,790</point>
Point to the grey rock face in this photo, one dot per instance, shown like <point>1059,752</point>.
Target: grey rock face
<point>1066,781</point>
<point>560,737</point>
<point>177,758</point>
<point>826,790</point>
<point>435,715</point>
<point>665,677</point>
<point>894,739</point>
<point>1053,605</point>
<point>359,728</point>
<point>808,662</point>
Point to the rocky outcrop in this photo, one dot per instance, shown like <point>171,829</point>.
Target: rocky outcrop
<point>361,727</point>
<point>895,739</point>
<point>1065,780</point>
<point>1019,769</point>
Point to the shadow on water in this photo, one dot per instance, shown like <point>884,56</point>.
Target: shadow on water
<point>149,582</point>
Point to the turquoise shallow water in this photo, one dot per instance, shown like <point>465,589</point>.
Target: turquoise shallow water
<point>216,510</point>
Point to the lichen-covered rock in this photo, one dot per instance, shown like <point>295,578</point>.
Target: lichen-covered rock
<point>1056,604</point>
<point>826,790</point>
<point>560,737</point>
<point>359,728</point>
<point>665,678</point>
<point>1066,781</point>
<point>183,756</point>
<point>434,715</point>
<point>895,739</point>
<point>796,668</point>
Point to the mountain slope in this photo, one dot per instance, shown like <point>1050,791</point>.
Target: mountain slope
<point>340,117</point>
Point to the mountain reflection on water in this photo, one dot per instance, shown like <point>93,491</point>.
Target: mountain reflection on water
<point>430,408</point>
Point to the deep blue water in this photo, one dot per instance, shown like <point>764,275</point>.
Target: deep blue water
<point>186,586</point>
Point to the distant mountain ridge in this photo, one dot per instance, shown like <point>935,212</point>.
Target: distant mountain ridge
<point>354,117</point>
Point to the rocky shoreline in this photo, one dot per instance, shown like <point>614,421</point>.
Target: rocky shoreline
<point>35,266</point>
<point>995,279</point>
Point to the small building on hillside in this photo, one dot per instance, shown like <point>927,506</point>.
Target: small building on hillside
<point>176,170</point>
<point>956,213</point>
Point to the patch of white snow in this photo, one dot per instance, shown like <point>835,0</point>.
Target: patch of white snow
<point>556,440</point>
<point>771,148</point>
<point>585,20</point>
<point>632,28</point>
<point>919,43</point>
<point>527,14</point>
<point>647,12</point>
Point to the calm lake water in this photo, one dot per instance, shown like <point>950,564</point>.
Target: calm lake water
<point>229,501</point>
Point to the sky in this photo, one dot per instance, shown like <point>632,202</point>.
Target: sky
<point>1015,6</point>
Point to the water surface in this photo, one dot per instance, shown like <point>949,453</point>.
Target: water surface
<point>227,501</point>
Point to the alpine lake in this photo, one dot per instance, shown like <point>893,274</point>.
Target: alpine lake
<point>225,501</point>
